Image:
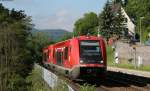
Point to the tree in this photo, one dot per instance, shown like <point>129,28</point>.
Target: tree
<point>66,36</point>
<point>86,24</point>
<point>112,21</point>
<point>37,41</point>
<point>136,9</point>
<point>14,67</point>
<point>119,21</point>
<point>106,24</point>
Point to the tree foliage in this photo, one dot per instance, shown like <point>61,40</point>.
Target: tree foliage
<point>137,9</point>
<point>66,36</point>
<point>111,20</point>
<point>106,18</point>
<point>36,81</point>
<point>19,49</point>
<point>14,65</point>
<point>37,41</point>
<point>86,24</point>
<point>119,22</point>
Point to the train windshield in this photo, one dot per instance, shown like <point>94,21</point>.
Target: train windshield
<point>90,52</point>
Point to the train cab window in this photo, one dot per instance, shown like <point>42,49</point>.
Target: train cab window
<point>66,53</point>
<point>90,52</point>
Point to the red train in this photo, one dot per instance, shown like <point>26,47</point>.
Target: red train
<point>79,57</point>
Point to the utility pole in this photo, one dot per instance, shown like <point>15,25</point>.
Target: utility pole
<point>141,29</point>
<point>98,32</point>
<point>134,48</point>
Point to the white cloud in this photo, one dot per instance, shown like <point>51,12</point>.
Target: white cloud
<point>62,19</point>
<point>62,12</point>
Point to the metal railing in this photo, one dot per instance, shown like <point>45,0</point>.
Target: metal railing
<point>52,79</point>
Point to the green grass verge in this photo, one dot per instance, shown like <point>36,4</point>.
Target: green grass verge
<point>109,55</point>
<point>36,81</point>
<point>131,66</point>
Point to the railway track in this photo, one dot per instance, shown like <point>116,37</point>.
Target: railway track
<point>131,79</point>
<point>119,82</point>
<point>126,82</point>
<point>116,85</point>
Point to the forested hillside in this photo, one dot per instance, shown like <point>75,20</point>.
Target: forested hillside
<point>53,34</point>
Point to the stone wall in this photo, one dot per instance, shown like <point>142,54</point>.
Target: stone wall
<point>127,52</point>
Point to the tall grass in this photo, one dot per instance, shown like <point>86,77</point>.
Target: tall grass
<point>87,87</point>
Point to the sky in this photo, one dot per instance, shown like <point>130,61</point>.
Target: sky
<point>55,14</point>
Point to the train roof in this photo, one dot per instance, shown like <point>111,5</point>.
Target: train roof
<point>88,37</point>
<point>76,38</point>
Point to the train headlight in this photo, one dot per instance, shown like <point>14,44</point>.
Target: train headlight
<point>81,61</point>
<point>101,61</point>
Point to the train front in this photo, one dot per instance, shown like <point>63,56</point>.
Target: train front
<point>92,58</point>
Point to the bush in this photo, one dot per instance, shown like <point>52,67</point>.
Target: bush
<point>87,87</point>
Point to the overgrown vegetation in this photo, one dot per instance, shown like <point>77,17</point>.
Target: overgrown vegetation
<point>109,23</point>
<point>36,81</point>
<point>15,62</point>
<point>19,49</point>
<point>87,24</point>
<point>87,87</point>
<point>61,85</point>
<point>36,42</point>
<point>139,11</point>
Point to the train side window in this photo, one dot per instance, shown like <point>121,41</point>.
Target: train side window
<point>58,58</point>
<point>66,53</point>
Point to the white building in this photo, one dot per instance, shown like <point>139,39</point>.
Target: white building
<point>129,24</point>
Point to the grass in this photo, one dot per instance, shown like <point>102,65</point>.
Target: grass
<point>122,65</point>
<point>61,86</point>
<point>36,83</point>
<point>131,66</point>
<point>87,87</point>
<point>109,55</point>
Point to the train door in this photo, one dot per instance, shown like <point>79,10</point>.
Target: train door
<point>65,56</point>
<point>59,56</point>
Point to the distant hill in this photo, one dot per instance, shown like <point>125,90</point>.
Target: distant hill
<point>54,34</point>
